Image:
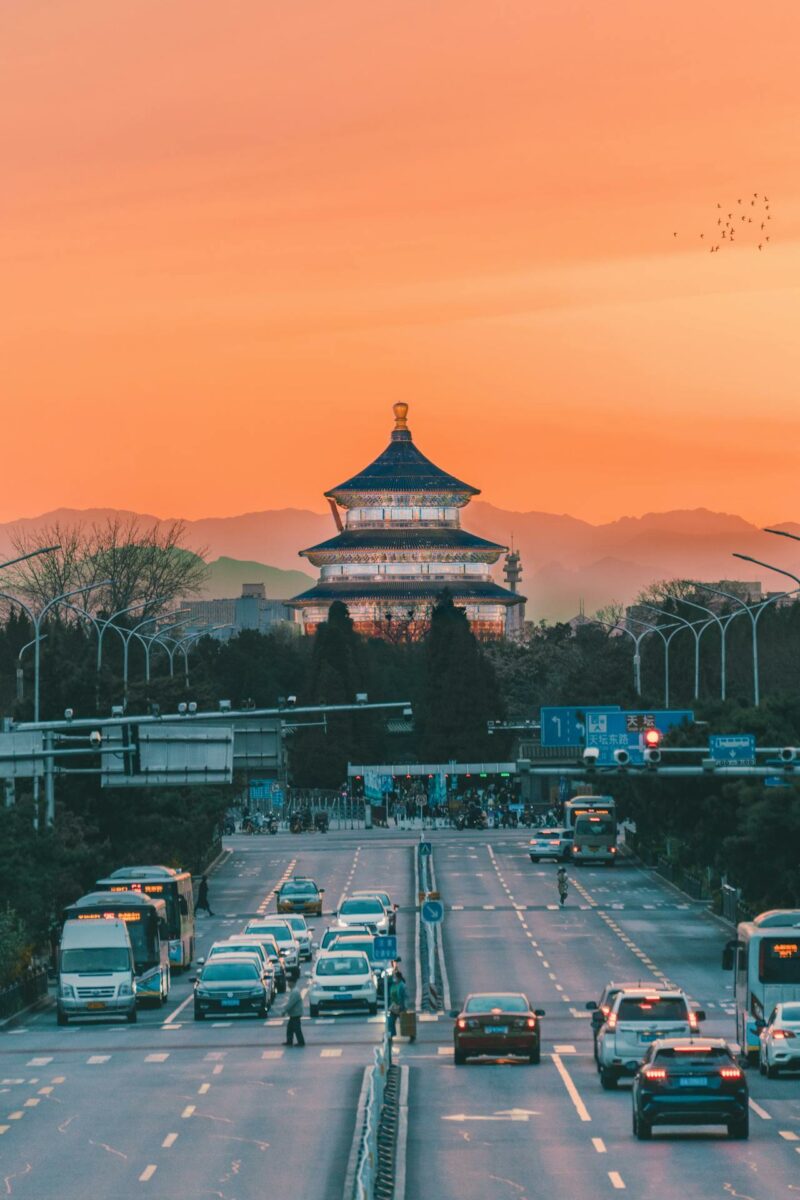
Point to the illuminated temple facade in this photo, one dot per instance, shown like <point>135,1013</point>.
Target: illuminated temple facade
<point>400,546</point>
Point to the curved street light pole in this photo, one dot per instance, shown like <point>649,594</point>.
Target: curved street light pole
<point>637,639</point>
<point>20,676</point>
<point>688,625</point>
<point>705,587</point>
<point>193,637</point>
<point>147,643</point>
<point>660,630</point>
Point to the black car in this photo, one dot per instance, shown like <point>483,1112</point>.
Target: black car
<point>230,985</point>
<point>690,1081</point>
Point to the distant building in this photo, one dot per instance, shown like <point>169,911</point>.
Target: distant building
<point>400,546</point>
<point>251,610</point>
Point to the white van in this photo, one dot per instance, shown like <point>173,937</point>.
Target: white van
<point>95,971</point>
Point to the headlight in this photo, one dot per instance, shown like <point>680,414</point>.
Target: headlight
<point>125,989</point>
<point>67,991</point>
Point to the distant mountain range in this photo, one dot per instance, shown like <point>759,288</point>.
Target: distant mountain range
<point>565,561</point>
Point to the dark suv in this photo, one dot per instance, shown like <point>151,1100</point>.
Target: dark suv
<point>690,1081</point>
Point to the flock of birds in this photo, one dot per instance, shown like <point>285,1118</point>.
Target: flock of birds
<point>748,221</point>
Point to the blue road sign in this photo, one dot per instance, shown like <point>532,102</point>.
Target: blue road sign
<point>776,781</point>
<point>260,789</point>
<point>733,747</point>
<point>561,727</point>
<point>610,731</point>
<point>432,911</point>
<point>384,947</point>
<point>424,849</point>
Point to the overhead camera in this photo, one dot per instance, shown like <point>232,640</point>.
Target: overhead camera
<point>622,758</point>
<point>651,757</point>
<point>788,754</point>
<point>69,713</point>
<point>224,706</point>
<point>96,737</point>
<point>291,701</point>
<point>590,756</point>
<point>117,710</point>
<point>192,706</point>
<point>182,708</point>
<point>361,697</point>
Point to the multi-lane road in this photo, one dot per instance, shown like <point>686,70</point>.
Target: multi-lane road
<point>222,1109</point>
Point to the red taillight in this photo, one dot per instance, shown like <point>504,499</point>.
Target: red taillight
<point>613,849</point>
<point>461,1023</point>
<point>531,1022</point>
<point>604,1009</point>
<point>731,1073</point>
<point>576,849</point>
<point>612,1020</point>
<point>654,1073</point>
<point>693,1022</point>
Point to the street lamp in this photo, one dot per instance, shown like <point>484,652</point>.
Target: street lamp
<point>20,676</point>
<point>705,587</point>
<point>24,557</point>
<point>660,630</point>
<point>638,638</point>
<point>193,637</point>
<point>688,625</point>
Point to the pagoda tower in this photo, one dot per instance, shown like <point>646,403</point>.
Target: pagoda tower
<point>400,546</point>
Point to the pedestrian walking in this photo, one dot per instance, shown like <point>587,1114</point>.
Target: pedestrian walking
<point>202,897</point>
<point>398,999</point>
<point>294,1012</point>
<point>563,885</point>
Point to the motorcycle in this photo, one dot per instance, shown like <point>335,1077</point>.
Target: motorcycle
<point>321,822</point>
<point>272,825</point>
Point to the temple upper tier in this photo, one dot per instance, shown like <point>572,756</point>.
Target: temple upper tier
<point>400,546</point>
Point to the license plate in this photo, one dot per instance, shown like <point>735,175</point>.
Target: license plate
<point>694,1081</point>
<point>497,1029</point>
<point>648,1037</point>
<point>96,1004</point>
<point>230,1003</point>
<point>343,996</point>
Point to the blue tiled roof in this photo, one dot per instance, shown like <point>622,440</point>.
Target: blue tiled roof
<point>411,538</point>
<point>402,468</point>
<point>398,590</point>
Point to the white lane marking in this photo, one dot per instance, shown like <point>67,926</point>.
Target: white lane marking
<point>168,1020</point>
<point>221,1024</point>
<point>550,974</point>
<point>94,1059</point>
<point>572,1091</point>
<point>599,1145</point>
<point>45,1091</point>
<point>15,1116</point>
<point>218,1069</point>
<point>489,907</point>
<point>331,1052</point>
<point>39,1062</point>
<point>616,1180</point>
<point>456,907</point>
<point>215,1055</point>
<point>788,1134</point>
<point>564,1049</point>
<point>169,1141</point>
<point>156,1057</point>
<point>545,963</point>
<point>148,1173</point>
<point>761,1112</point>
<point>4,1128</point>
<point>272,1054</point>
<point>31,1103</point>
<point>204,1087</point>
<point>442,1050</point>
<point>188,1111</point>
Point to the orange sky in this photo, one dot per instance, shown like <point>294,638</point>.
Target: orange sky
<point>233,234</point>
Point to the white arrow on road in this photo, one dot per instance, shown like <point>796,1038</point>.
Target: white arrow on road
<point>503,1114</point>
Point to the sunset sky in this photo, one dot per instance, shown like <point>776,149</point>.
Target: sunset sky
<point>233,234</point>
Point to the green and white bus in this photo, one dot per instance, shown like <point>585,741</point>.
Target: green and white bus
<point>146,919</point>
<point>175,889</point>
<point>593,820</point>
<point>765,958</point>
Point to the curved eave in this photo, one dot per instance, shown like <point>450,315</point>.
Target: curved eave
<point>389,541</point>
<point>401,468</point>
<point>369,590</point>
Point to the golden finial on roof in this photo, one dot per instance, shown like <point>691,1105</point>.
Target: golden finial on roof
<point>400,411</point>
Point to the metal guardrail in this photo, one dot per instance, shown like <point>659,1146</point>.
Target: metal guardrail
<point>27,990</point>
<point>367,1169</point>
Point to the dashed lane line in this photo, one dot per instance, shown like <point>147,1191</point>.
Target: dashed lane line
<point>38,1062</point>
<point>95,1059</point>
<point>169,1141</point>
<point>616,1180</point>
<point>148,1173</point>
<point>172,1016</point>
<point>758,1110</point>
<point>203,1089</point>
<point>188,1111</point>
<point>789,1135</point>
<point>331,1052</point>
<point>156,1057</point>
<point>599,1145</point>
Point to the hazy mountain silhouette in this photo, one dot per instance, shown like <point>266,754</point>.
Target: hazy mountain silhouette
<point>565,560</point>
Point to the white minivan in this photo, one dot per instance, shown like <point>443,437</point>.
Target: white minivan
<point>95,971</point>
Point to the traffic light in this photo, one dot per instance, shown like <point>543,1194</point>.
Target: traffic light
<point>652,739</point>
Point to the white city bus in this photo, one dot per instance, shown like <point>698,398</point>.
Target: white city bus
<point>765,958</point>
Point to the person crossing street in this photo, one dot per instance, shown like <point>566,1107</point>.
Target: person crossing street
<point>202,897</point>
<point>294,1012</point>
<point>563,885</point>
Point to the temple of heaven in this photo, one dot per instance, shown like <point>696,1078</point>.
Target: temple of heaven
<point>400,546</point>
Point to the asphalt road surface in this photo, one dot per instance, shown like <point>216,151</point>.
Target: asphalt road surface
<point>222,1109</point>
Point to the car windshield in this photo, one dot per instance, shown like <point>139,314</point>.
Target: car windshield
<point>352,965</point>
<point>254,950</point>
<point>652,1008</point>
<point>484,1004</point>
<point>362,907</point>
<point>790,1012</point>
<point>216,972</point>
<point>384,899</point>
<point>96,959</point>
<point>281,933</point>
<point>694,1056</point>
<point>347,944</point>
<point>299,889</point>
<point>297,923</point>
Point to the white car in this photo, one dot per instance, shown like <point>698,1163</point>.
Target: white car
<point>363,910</point>
<point>639,1017</point>
<point>550,843</point>
<point>779,1048</point>
<point>342,979</point>
<point>301,932</point>
<point>279,928</point>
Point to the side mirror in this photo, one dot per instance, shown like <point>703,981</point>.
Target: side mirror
<point>201,962</point>
<point>192,979</point>
<point>321,891</point>
<point>315,945</point>
<point>590,1005</point>
<point>597,1019</point>
<point>700,1014</point>
<point>539,1012</point>
<point>454,1012</point>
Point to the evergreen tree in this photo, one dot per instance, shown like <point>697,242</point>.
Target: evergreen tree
<point>459,691</point>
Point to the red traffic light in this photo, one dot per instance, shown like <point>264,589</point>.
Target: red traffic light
<point>652,738</point>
